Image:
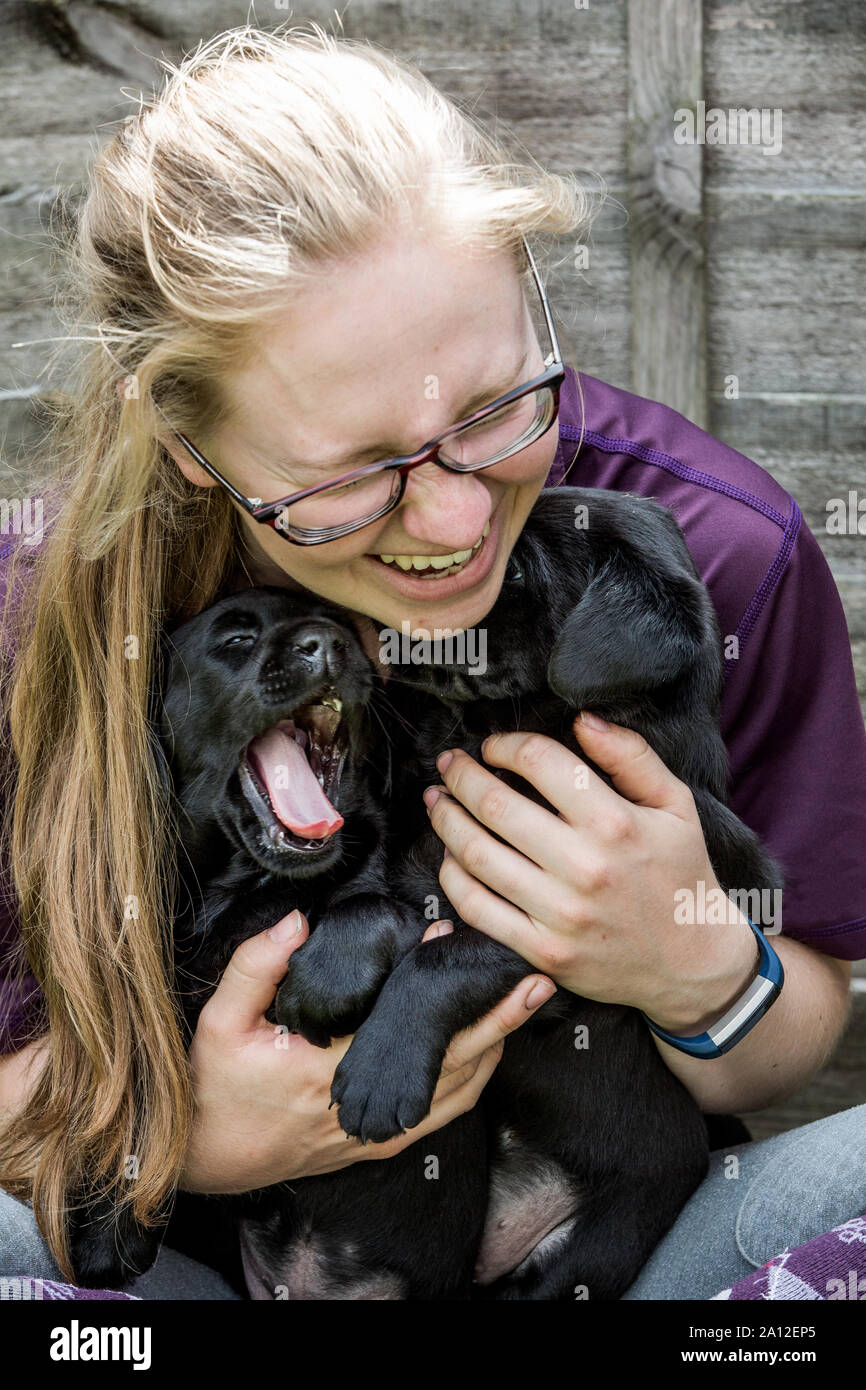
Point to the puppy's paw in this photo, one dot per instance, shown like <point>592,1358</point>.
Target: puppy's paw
<point>383,1087</point>
<point>323,997</point>
<point>290,1010</point>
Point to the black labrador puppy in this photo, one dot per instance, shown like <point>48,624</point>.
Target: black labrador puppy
<point>598,1146</point>
<point>280,777</point>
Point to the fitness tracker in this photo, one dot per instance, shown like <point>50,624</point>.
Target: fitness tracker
<point>760,995</point>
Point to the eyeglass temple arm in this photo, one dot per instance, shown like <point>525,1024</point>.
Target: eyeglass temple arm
<point>544,304</point>
<point>249,504</point>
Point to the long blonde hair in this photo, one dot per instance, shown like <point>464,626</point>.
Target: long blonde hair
<point>265,157</point>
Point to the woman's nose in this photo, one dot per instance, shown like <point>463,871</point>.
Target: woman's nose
<point>444,509</point>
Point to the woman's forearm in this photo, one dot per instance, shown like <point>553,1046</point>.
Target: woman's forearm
<point>786,1049</point>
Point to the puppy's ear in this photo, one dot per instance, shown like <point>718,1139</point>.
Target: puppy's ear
<point>108,1249</point>
<point>161,657</point>
<point>636,629</point>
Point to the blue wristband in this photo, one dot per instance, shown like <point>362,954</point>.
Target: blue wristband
<point>761,994</point>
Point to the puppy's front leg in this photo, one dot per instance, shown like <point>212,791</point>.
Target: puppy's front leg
<point>334,978</point>
<point>386,1080</point>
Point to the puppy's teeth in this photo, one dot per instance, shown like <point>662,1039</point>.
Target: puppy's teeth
<point>404,561</point>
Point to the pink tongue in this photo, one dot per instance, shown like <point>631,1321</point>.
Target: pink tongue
<point>295,792</point>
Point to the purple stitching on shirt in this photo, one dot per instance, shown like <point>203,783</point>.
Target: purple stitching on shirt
<point>672,465</point>
<point>790,527</point>
<point>769,581</point>
<point>844,929</point>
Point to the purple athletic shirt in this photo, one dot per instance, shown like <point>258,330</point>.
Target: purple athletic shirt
<point>790,715</point>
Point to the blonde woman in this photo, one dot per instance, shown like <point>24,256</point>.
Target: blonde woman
<point>300,258</point>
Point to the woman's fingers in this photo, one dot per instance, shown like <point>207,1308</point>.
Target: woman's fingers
<point>564,779</point>
<point>569,784</point>
<point>249,981</point>
<point>537,832</point>
<point>488,912</point>
<point>509,873</point>
<point>468,1046</point>
<point>637,771</point>
<point>442,928</point>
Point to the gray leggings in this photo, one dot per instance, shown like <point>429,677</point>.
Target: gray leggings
<point>780,1193</point>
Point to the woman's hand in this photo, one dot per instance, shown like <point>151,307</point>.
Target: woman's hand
<point>587,896</point>
<point>263,1095</point>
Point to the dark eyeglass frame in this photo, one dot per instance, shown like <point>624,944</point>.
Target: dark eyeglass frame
<point>268,513</point>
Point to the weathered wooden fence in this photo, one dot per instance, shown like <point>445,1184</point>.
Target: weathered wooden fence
<point>725,275</point>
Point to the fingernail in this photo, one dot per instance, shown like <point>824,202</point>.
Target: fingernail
<point>594,721</point>
<point>287,927</point>
<point>444,928</point>
<point>431,796</point>
<point>443,762</point>
<point>541,990</point>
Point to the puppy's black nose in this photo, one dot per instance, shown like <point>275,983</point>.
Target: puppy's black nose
<point>324,649</point>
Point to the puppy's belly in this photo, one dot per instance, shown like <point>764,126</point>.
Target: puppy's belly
<point>305,1270</point>
<point>531,1208</point>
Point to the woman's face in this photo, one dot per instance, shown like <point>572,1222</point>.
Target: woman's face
<point>387,350</point>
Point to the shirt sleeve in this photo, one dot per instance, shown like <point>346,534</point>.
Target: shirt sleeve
<point>792,721</point>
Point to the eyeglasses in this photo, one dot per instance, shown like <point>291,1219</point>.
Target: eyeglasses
<point>346,503</point>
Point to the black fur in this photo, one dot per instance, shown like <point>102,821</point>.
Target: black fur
<point>612,618</point>
<point>230,674</point>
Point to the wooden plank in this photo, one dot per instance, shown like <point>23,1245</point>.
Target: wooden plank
<point>786,319</point>
<point>757,217</point>
<point>666,208</point>
<point>806,58</point>
<point>806,422</point>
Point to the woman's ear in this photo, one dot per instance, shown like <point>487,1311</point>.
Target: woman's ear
<point>127,389</point>
<point>192,471</point>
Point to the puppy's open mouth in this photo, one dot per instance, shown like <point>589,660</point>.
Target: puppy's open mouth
<point>290,773</point>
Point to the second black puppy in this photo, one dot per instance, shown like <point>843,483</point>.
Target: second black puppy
<point>599,1146</point>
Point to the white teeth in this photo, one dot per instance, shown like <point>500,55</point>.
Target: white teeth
<point>436,562</point>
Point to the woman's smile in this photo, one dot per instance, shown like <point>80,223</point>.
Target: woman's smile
<point>421,577</point>
<point>435,566</point>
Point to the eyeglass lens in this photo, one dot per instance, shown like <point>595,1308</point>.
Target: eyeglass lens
<point>512,427</point>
